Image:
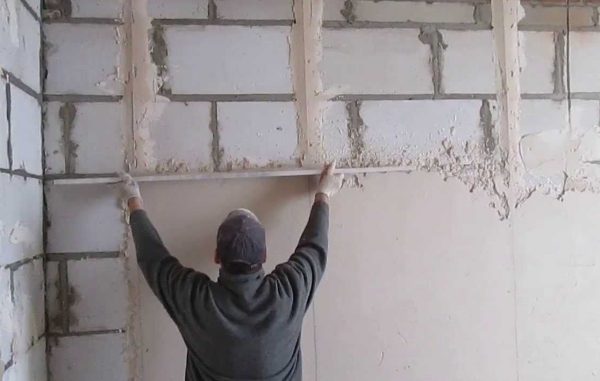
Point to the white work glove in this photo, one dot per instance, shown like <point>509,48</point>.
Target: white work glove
<point>129,187</point>
<point>330,184</point>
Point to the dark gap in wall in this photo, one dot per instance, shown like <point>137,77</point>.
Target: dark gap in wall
<point>67,114</point>
<point>216,150</point>
<point>9,151</point>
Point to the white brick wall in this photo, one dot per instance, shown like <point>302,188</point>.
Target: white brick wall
<point>195,9</point>
<point>20,43</point>
<point>95,48</point>
<point>537,62</point>
<point>335,131</point>
<point>584,61</point>
<point>585,115</point>
<point>29,312</point>
<point>95,357</point>
<point>97,8</point>
<point>418,126</point>
<point>31,366</point>
<point>255,9</point>
<point>353,63</point>
<point>84,218</point>
<point>97,133</point>
<point>229,59</point>
<point>20,218</point>
<point>469,62</point>
<point>101,294</point>
<point>26,134</point>
<point>3,126</point>
<point>417,11</point>
<point>182,136</point>
<point>259,132</point>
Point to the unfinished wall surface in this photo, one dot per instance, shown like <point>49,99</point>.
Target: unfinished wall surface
<point>476,263</point>
<point>22,317</point>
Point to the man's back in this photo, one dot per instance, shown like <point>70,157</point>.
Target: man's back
<point>244,326</point>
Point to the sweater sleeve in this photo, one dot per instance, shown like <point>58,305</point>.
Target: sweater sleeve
<point>173,284</point>
<point>301,274</point>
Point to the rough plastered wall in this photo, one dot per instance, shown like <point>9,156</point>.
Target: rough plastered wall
<point>478,262</point>
<point>22,319</point>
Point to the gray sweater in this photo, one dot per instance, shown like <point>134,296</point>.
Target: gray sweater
<point>242,327</point>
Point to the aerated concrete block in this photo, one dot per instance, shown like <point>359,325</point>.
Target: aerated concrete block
<point>20,43</point>
<point>401,11</point>
<point>255,9</point>
<point>84,137</point>
<point>397,63</point>
<point>84,218</point>
<point>417,127</point>
<point>97,8</point>
<point>3,125</point>
<point>257,134</point>
<point>99,294</point>
<point>335,131</point>
<point>7,318</point>
<point>21,218</point>
<point>229,59</point>
<point>537,62</point>
<point>180,136</point>
<point>584,61</point>
<point>84,59</point>
<point>468,62</point>
<point>30,366</point>
<point>26,134</point>
<point>173,9</point>
<point>538,115</point>
<point>88,358</point>
<point>29,305</point>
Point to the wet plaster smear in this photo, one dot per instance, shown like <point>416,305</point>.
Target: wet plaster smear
<point>476,263</point>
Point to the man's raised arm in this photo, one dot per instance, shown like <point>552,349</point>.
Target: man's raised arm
<point>300,275</point>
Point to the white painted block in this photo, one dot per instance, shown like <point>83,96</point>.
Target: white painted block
<point>584,61</point>
<point>29,305</point>
<point>417,127</point>
<point>35,5</point>
<point>229,59</point>
<point>96,134</point>
<point>255,9</point>
<point>537,62</point>
<point>97,8</point>
<point>335,131</point>
<point>258,134</point>
<point>30,366</point>
<point>3,126</point>
<point>53,303</point>
<point>181,137</point>
<point>84,59</point>
<point>7,318</point>
<point>469,62</point>
<point>174,9</point>
<point>88,358</point>
<point>20,43</point>
<point>416,11</point>
<point>100,294</point>
<point>539,115</point>
<point>26,133</point>
<point>84,218</point>
<point>375,61</point>
<point>21,218</point>
<point>544,154</point>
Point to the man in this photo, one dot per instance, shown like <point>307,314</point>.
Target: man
<point>247,325</point>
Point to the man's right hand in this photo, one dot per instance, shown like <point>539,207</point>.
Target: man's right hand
<point>330,184</point>
<point>130,192</point>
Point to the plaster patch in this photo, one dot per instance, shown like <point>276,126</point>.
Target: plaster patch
<point>21,234</point>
